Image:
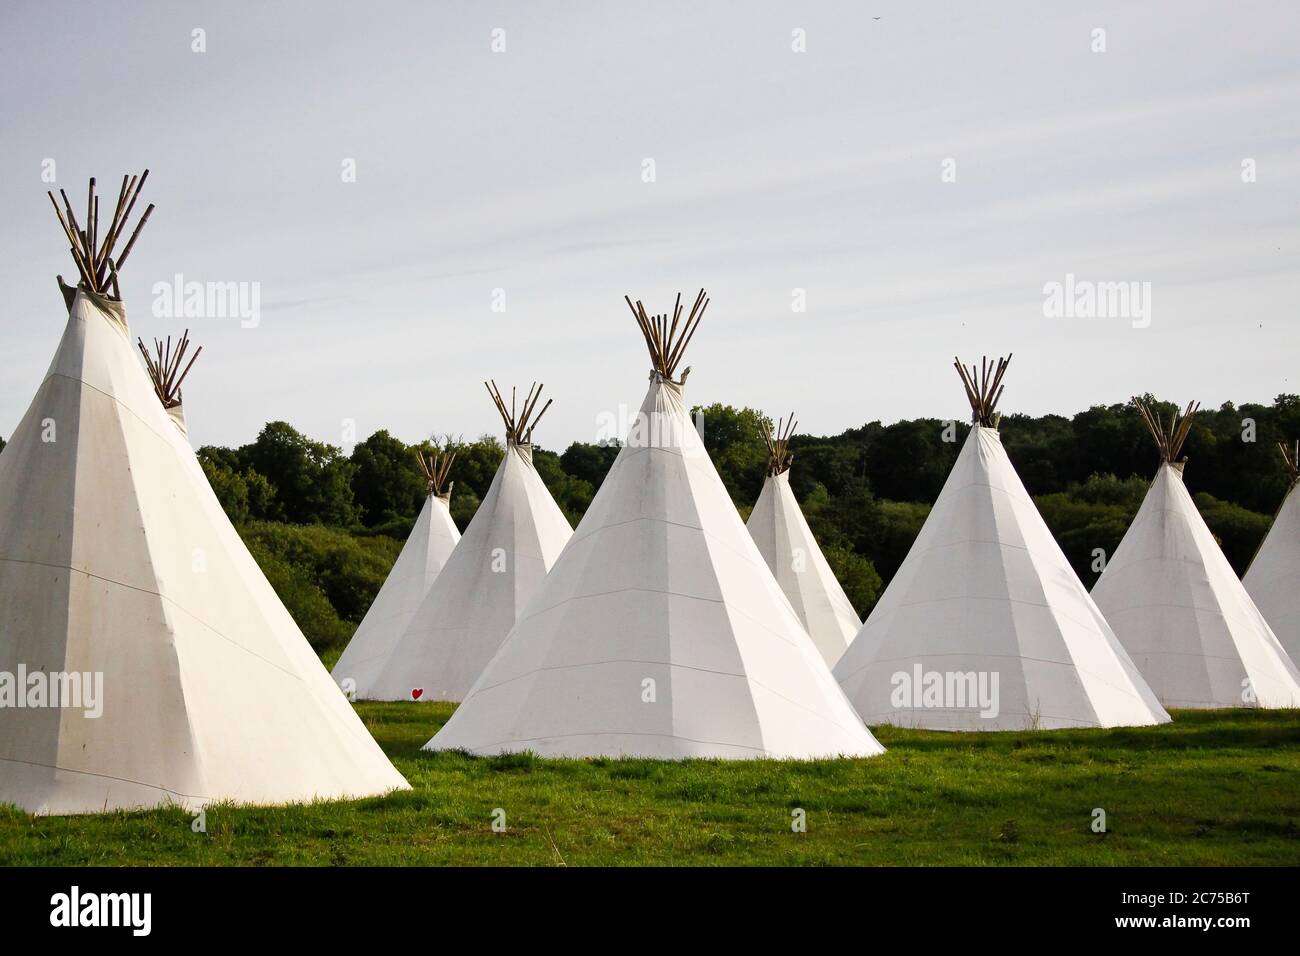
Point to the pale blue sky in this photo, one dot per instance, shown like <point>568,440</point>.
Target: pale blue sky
<point>776,170</point>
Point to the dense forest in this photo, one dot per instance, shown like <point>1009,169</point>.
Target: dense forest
<point>326,526</point>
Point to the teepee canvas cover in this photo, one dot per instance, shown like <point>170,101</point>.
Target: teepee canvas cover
<point>985,626</point>
<point>515,536</point>
<point>660,632</point>
<point>785,541</point>
<point>1178,607</point>
<point>120,572</point>
<point>427,549</point>
<point>1273,578</point>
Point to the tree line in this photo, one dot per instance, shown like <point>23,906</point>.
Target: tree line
<point>865,491</point>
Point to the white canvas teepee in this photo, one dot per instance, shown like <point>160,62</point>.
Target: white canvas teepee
<point>512,541</point>
<point>660,631</point>
<point>1273,578</point>
<point>785,541</point>
<point>1178,607</point>
<point>144,658</point>
<point>426,551</point>
<point>985,626</point>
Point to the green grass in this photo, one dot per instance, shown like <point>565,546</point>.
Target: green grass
<point>1212,788</point>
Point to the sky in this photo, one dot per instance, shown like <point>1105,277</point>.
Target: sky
<point>866,189</point>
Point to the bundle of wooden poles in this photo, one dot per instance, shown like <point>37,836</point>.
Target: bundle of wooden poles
<point>983,388</point>
<point>778,445</point>
<point>667,341</point>
<point>165,367</point>
<point>93,250</point>
<point>435,466</point>
<point>1169,439</point>
<point>519,427</point>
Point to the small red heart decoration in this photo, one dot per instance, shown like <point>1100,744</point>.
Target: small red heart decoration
<point>417,693</point>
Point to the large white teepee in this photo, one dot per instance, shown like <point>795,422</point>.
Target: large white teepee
<point>513,539</point>
<point>427,549</point>
<point>1273,578</point>
<point>1178,607</point>
<point>660,632</point>
<point>122,580</point>
<point>786,543</point>
<point>985,626</point>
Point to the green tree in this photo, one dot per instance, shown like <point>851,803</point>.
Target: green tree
<point>589,462</point>
<point>910,460</point>
<point>857,576</point>
<point>219,457</point>
<point>1238,530</point>
<point>349,570</point>
<point>229,486</point>
<point>573,495</point>
<point>312,480</point>
<point>387,484</point>
<point>1107,489</point>
<point>1042,450</point>
<point>1083,527</point>
<point>838,465</point>
<point>734,439</point>
<point>305,601</point>
<point>892,528</point>
<point>262,502</point>
<point>476,465</point>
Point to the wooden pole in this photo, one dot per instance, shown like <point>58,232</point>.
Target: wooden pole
<point>72,239</point>
<point>90,225</point>
<point>121,260</point>
<point>132,193</point>
<point>106,247</point>
<point>538,418</point>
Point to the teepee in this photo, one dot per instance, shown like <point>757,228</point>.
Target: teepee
<point>1273,578</point>
<point>786,543</point>
<point>660,632</point>
<point>144,658</point>
<point>515,536</point>
<point>1177,605</point>
<point>426,551</point>
<point>985,626</point>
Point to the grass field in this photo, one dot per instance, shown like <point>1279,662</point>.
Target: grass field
<point>1211,788</point>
